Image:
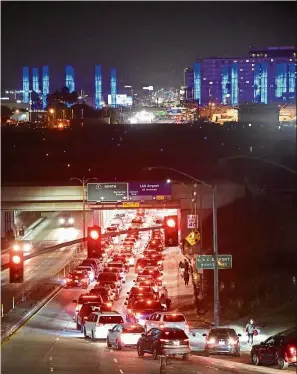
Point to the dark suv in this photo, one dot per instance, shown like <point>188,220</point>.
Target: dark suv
<point>167,341</point>
<point>279,349</point>
<point>222,340</point>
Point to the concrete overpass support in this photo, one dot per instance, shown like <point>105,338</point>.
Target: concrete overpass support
<point>8,222</point>
<point>102,217</point>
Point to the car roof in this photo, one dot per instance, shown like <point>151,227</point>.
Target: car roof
<point>108,313</point>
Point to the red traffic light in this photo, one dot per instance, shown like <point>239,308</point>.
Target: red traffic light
<point>170,222</point>
<point>16,259</point>
<point>94,234</point>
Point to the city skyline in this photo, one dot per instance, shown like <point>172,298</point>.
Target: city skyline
<point>147,45</point>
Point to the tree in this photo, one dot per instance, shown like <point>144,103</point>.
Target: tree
<point>63,96</point>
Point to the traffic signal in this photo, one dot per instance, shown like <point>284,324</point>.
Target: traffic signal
<point>171,231</point>
<point>94,242</point>
<point>16,264</point>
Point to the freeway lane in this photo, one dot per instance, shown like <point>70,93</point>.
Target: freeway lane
<point>49,342</point>
<point>48,233</point>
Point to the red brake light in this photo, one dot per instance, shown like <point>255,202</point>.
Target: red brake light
<point>186,340</point>
<point>164,340</point>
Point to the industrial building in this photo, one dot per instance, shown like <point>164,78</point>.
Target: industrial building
<point>267,76</point>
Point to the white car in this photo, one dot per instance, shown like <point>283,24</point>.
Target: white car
<point>98,324</point>
<point>90,271</point>
<point>124,335</point>
<point>167,319</point>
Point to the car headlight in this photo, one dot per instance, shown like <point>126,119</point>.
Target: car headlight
<point>62,221</point>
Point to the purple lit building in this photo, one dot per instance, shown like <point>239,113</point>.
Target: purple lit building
<point>267,76</point>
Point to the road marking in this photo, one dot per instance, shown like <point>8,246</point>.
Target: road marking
<point>115,360</point>
<point>121,371</point>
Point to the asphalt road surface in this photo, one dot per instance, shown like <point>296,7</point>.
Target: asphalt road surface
<point>42,267</point>
<point>49,342</point>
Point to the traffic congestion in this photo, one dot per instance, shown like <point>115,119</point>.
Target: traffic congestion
<point>139,316</point>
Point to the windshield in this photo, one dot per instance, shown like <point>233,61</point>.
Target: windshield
<point>94,298</point>
<point>133,329</point>
<point>111,319</point>
<point>148,306</point>
<point>174,318</point>
<point>173,334</point>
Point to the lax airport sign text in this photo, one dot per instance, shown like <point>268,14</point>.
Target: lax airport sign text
<point>134,191</point>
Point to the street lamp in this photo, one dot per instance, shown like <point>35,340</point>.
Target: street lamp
<point>215,237</point>
<point>83,182</point>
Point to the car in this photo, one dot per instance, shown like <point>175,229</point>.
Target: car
<point>154,273</point>
<point>78,279</point>
<point>279,349</point>
<point>124,335</point>
<point>107,302</point>
<point>167,319</point>
<point>66,220</point>
<point>150,282</point>
<point>143,292</point>
<point>111,278</point>
<point>89,269</point>
<point>129,255</point>
<point>98,324</point>
<point>95,263</point>
<point>222,340</point>
<point>112,287</point>
<point>85,311</point>
<point>142,309</point>
<point>123,259</point>
<point>121,267</point>
<point>143,263</point>
<point>168,342</point>
<point>84,298</point>
<point>106,291</point>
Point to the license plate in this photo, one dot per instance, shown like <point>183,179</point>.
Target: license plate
<point>221,342</point>
<point>176,343</point>
<point>76,281</point>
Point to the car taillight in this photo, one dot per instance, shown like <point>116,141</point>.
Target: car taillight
<point>231,341</point>
<point>187,326</point>
<point>211,341</point>
<point>292,350</point>
<point>161,326</point>
<point>109,305</point>
<point>164,340</point>
<point>159,278</point>
<point>186,340</point>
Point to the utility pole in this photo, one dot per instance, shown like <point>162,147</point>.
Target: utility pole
<point>83,182</point>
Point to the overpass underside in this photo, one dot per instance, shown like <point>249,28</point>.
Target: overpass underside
<point>56,206</point>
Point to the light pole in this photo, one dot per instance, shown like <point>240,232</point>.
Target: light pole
<point>215,237</point>
<point>83,182</point>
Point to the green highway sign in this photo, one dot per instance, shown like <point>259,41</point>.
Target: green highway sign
<point>207,262</point>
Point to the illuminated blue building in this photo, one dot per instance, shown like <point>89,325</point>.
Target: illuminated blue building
<point>26,85</point>
<point>69,77</point>
<point>197,82</point>
<point>98,86</point>
<point>113,86</point>
<point>45,85</point>
<point>267,76</point>
<point>35,80</point>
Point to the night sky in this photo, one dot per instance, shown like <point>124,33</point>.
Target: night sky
<point>148,42</point>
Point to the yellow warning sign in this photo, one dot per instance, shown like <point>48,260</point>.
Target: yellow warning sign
<point>193,238</point>
<point>130,205</point>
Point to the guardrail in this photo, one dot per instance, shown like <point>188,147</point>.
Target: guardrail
<point>69,266</point>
